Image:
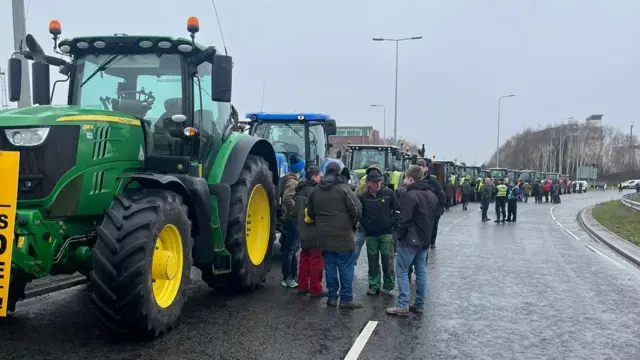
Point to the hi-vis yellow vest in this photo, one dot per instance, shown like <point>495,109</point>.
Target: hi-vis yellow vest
<point>502,190</point>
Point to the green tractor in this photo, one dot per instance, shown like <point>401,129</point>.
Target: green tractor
<point>136,180</point>
<point>389,157</point>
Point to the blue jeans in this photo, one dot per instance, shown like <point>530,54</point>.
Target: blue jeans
<point>406,257</point>
<point>289,249</point>
<point>339,272</point>
<point>360,240</point>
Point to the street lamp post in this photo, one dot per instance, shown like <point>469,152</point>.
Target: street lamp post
<point>498,140</point>
<point>395,108</point>
<point>384,122</point>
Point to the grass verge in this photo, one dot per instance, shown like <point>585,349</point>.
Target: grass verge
<point>619,219</point>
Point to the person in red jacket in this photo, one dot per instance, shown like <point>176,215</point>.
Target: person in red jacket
<point>547,189</point>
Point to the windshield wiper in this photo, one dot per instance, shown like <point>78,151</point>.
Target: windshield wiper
<point>294,130</point>
<point>100,68</point>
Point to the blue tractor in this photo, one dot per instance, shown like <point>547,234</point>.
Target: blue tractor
<point>300,140</point>
<point>296,137</point>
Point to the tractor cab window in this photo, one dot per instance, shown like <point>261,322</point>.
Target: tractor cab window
<point>286,138</point>
<point>210,117</point>
<point>147,86</point>
<point>363,158</point>
<point>317,143</point>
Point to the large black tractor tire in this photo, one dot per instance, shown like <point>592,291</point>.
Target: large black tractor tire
<point>245,275</point>
<point>123,257</point>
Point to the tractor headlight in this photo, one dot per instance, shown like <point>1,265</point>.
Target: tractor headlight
<point>27,137</point>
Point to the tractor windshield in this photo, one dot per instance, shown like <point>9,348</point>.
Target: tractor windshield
<point>363,158</point>
<point>286,138</point>
<point>143,85</point>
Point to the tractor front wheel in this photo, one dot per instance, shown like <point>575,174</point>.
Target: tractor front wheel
<point>142,262</point>
<point>251,230</point>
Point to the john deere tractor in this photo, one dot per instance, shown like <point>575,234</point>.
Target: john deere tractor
<point>137,179</point>
<point>389,157</point>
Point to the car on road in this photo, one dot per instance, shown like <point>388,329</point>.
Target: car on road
<point>630,184</point>
<point>585,185</point>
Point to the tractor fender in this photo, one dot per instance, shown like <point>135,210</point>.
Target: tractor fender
<point>249,145</point>
<point>197,196</point>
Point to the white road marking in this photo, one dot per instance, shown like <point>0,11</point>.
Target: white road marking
<point>603,254</point>
<point>577,238</point>
<point>361,341</point>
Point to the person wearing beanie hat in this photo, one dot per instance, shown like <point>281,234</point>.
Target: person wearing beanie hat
<point>360,237</point>
<point>335,210</point>
<point>290,243</point>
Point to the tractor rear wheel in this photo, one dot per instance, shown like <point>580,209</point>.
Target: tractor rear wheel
<point>251,230</point>
<point>142,262</point>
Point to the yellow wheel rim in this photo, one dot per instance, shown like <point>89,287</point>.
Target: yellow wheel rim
<point>258,225</point>
<point>166,267</point>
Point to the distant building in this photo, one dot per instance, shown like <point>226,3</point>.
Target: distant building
<point>356,135</point>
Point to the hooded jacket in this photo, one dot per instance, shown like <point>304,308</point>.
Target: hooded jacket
<point>417,215</point>
<point>308,240</point>
<point>336,210</point>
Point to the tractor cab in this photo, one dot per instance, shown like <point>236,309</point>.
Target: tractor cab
<point>553,176</point>
<point>498,174</point>
<point>444,171</point>
<point>388,157</point>
<point>295,137</point>
<point>528,175</point>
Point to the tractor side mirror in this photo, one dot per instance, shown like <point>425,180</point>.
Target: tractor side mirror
<point>330,127</point>
<point>41,83</point>
<point>398,155</point>
<point>15,79</point>
<point>414,159</point>
<point>222,76</point>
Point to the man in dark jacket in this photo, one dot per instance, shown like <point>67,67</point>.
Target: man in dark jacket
<point>449,192</point>
<point>379,213</point>
<point>311,264</point>
<point>436,188</point>
<point>336,210</point>
<point>466,193</point>
<point>419,208</point>
<point>486,192</point>
<point>290,244</point>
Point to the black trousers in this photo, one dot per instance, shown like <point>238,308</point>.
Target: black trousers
<point>434,231</point>
<point>512,209</point>
<point>501,203</point>
<point>465,200</point>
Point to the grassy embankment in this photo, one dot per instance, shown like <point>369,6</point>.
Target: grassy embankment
<point>619,219</point>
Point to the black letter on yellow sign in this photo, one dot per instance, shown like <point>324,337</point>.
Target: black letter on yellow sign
<point>3,244</point>
<point>3,221</point>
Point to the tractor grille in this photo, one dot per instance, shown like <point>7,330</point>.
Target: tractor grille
<point>42,166</point>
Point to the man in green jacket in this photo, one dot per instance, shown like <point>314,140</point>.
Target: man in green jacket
<point>486,192</point>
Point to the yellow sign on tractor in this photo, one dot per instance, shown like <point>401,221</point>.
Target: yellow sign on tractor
<point>9,167</point>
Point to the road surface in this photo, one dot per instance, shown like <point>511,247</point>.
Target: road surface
<point>537,289</point>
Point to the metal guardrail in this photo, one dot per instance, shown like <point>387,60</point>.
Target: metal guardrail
<point>628,201</point>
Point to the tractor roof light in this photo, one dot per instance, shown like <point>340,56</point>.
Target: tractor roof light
<point>55,28</point>
<point>193,25</point>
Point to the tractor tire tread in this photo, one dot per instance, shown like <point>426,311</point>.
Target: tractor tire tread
<point>122,257</point>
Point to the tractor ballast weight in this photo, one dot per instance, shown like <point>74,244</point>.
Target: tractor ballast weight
<point>133,190</point>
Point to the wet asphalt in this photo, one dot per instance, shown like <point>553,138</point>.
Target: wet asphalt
<point>538,289</point>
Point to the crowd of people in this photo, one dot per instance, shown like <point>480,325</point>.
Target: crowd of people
<point>330,224</point>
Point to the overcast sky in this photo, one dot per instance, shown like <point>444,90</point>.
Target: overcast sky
<point>561,58</point>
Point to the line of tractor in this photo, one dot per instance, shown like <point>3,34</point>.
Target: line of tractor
<point>148,171</point>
